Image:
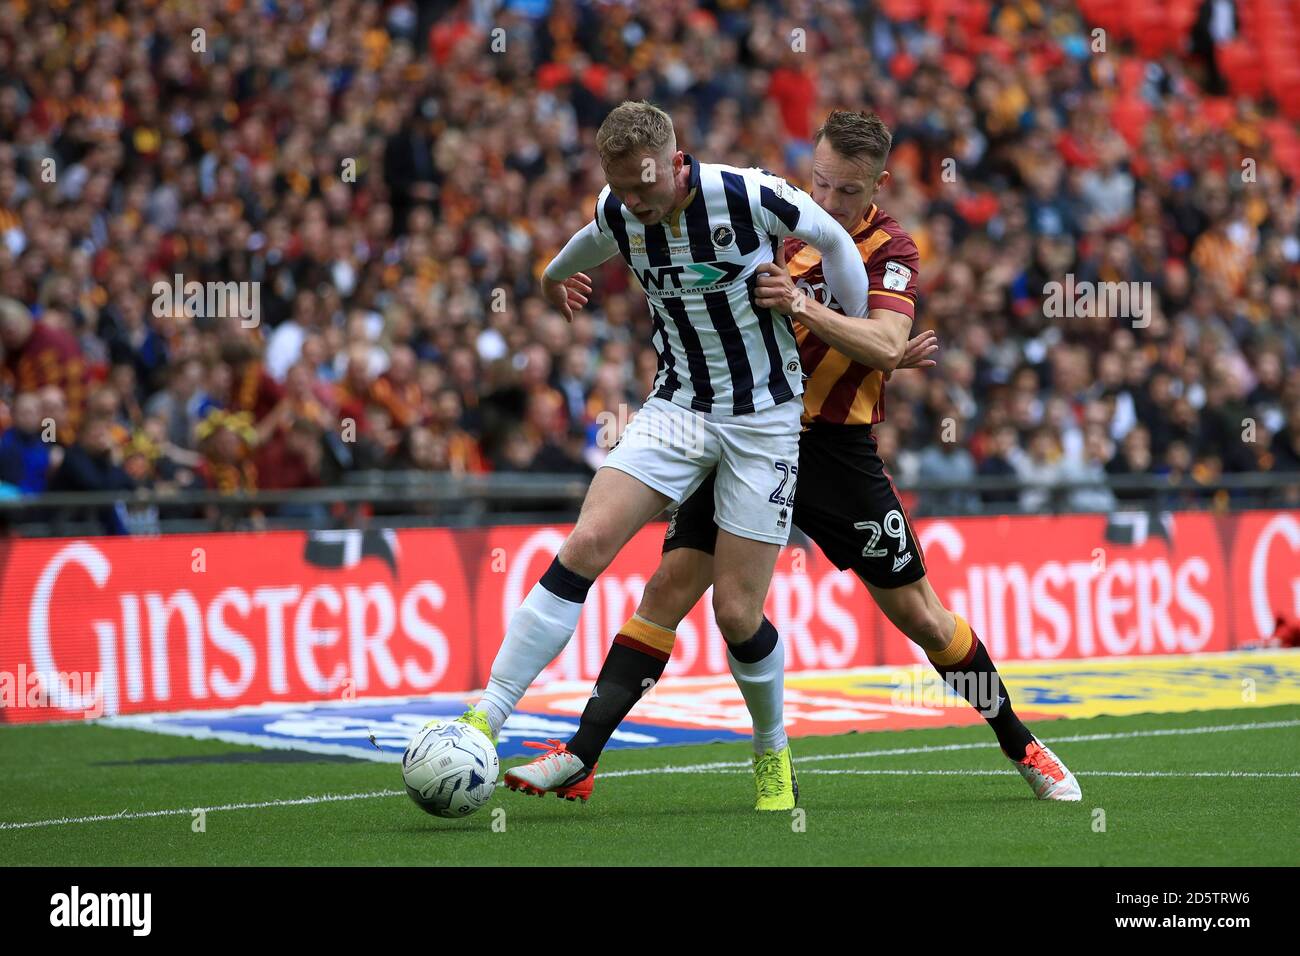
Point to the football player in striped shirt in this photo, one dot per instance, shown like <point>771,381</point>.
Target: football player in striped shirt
<point>725,399</point>
<point>847,503</point>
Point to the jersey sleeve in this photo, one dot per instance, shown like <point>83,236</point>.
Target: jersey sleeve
<point>586,249</point>
<point>894,269</point>
<point>787,210</point>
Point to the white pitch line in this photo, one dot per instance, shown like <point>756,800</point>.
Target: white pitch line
<point>1077,773</point>
<point>183,811</point>
<point>905,772</point>
<point>980,745</point>
<point>735,766</point>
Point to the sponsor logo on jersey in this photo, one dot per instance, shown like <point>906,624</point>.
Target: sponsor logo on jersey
<point>697,277</point>
<point>897,276</point>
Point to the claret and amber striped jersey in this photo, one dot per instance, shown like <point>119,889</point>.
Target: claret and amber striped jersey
<point>838,390</point>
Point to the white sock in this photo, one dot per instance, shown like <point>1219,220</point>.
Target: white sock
<point>538,631</point>
<point>762,684</point>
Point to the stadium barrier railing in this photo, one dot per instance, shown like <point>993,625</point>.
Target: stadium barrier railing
<point>423,499</point>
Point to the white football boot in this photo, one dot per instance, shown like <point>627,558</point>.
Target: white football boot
<point>556,771</point>
<point>1046,775</point>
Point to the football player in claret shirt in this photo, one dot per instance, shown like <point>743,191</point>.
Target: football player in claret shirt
<point>846,501</point>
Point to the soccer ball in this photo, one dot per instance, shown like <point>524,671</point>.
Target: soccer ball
<point>450,769</point>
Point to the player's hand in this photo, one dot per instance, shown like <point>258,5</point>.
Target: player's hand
<point>775,289</point>
<point>568,296</point>
<point>918,352</point>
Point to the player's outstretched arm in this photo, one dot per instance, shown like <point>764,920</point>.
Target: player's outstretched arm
<point>789,211</point>
<point>880,343</point>
<point>565,284</point>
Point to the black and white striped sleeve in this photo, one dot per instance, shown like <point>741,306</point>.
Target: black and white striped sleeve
<point>789,211</point>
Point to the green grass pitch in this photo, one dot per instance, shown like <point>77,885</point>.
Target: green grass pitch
<point>1158,789</point>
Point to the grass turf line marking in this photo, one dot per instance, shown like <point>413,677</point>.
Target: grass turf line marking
<point>1078,773</point>
<point>733,766</point>
<point>941,748</point>
<point>700,769</point>
<point>907,772</point>
<point>183,811</point>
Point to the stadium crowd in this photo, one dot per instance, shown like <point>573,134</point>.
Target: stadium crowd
<point>394,176</point>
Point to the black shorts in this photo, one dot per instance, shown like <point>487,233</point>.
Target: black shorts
<point>843,500</point>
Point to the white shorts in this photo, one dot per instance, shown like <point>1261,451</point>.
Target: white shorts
<point>673,449</point>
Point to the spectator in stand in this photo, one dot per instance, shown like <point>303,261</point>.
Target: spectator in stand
<point>399,392</point>
<point>40,354</point>
<point>1134,458</point>
<point>1001,462</point>
<point>463,453</point>
<point>1285,455</point>
<point>1089,465</point>
<point>292,458</point>
<point>1040,471</point>
<point>947,459</point>
<point>93,463</point>
<point>421,449</point>
<point>180,403</point>
<point>227,441</point>
<point>286,343</point>
<point>27,458</point>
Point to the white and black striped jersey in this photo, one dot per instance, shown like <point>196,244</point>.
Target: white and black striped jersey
<point>718,351</point>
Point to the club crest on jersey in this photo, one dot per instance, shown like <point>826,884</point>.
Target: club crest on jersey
<point>723,236</point>
<point>897,276</point>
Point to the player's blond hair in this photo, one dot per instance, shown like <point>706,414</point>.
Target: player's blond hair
<point>857,135</point>
<point>633,129</point>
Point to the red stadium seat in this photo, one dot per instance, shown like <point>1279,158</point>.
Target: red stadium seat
<point>901,11</point>
<point>974,16</point>
<point>902,66</point>
<point>1242,68</point>
<point>1153,31</point>
<point>1129,116</point>
<point>961,69</point>
<point>1131,73</point>
<point>1217,111</point>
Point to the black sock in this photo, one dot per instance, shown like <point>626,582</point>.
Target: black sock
<point>758,646</point>
<point>976,679</point>
<point>631,668</point>
<point>564,583</point>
